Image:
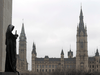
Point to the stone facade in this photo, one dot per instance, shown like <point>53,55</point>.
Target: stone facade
<point>81,52</point>
<point>5,20</point>
<point>82,62</point>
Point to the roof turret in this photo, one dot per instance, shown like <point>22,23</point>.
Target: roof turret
<point>22,34</point>
<point>34,49</point>
<point>62,53</point>
<point>97,53</point>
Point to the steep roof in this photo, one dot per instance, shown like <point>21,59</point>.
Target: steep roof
<point>97,53</point>
<point>81,23</point>
<point>22,34</point>
<point>34,49</point>
<point>62,53</point>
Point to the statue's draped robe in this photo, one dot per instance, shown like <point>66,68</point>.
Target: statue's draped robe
<point>10,64</point>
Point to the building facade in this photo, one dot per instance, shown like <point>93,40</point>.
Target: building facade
<point>5,20</point>
<point>82,62</point>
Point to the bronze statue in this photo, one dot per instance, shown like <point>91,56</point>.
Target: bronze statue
<point>10,63</point>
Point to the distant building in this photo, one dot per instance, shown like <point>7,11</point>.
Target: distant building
<point>81,62</point>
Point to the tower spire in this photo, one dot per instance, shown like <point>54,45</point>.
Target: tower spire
<point>81,22</point>
<point>62,53</point>
<point>22,34</point>
<point>34,49</point>
<point>22,31</point>
<point>81,14</point>
<point>97,53</point>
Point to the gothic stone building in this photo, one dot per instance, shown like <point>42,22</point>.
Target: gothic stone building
<point>80,62</point>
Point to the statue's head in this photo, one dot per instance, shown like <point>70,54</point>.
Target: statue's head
<point>10,27</point>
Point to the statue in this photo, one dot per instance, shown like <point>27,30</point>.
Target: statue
<point>10,63</point>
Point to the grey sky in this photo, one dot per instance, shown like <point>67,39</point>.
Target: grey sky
<point>52,25</point>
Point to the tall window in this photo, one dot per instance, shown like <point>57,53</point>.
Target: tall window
<point>92,66</point>
<point>37,70</point>
<point>37,66</point>
<point>97,66</point>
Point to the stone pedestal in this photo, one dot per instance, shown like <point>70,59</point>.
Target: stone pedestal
<point>8,73</point>
<point>5,20</point>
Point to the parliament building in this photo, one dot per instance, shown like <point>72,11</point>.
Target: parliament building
<point>81,62</point>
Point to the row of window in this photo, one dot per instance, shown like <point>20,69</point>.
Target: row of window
<point>92,66</point>
<point>42,66</point>
<point>45,70</point>
<point>91,70</point>
<point>54,66</point>
<point>70,62</point>
<point>70,66</point>
<point>49,62</point>
<point>54,62</point>
<point>94,62</point>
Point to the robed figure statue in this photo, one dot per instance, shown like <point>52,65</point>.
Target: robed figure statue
<point>10,63</point>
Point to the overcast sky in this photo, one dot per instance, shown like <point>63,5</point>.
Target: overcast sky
<point>52,25</point>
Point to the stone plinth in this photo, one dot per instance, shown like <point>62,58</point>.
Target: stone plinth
<point>5,20</point>
<point>8,73</point>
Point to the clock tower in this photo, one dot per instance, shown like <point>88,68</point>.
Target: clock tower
<point>22,49</point>
<point>81,45</point>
